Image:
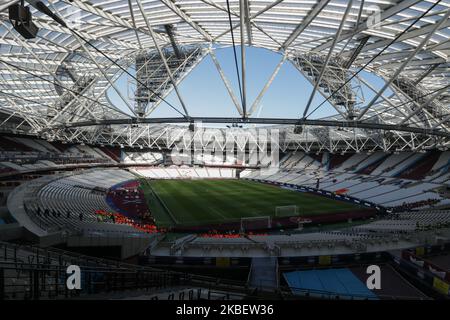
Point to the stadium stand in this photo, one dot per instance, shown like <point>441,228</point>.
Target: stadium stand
<point>84,202</point>
<point>70,202</point>
<point>106,164</point>
<point>375,178</point>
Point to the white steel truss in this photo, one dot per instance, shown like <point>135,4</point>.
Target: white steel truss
<point>56,84</point>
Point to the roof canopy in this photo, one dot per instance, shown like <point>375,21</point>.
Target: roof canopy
<point>57,82</point>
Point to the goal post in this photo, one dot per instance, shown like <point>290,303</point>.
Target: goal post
<point>256,223</point>
<point>286,211</point>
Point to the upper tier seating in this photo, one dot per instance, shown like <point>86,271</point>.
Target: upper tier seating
<point>20,155</point>
<point>439,171</point>
<point>142,157</point>
<point>373,177</point>
<point>423,168</point>
<point>185,172</point>
<point>351,163</point>
<point>336,160</point>
<point>371,163</point>
<point>8,144</point>
<point>409,221</point>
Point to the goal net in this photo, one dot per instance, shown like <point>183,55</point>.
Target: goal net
<point>286,211</point>
<point>256,223</point>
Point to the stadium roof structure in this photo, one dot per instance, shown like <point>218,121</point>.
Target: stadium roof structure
<point>55,84</point>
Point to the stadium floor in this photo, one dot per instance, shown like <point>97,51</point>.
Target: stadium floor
<point>350,283</point>
<point>329,283</point>
<point>196,202</point>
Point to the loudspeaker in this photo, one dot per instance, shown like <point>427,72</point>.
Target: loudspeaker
<point>21,20</point>
<point>17,12</point>
<point>27,30</point>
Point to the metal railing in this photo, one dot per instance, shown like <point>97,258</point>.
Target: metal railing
<point>43,281</point>
<point>29,272</point>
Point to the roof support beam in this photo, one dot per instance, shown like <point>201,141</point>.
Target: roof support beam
<point>6,5</point>
<point>389,12</point>
<point>275,121</point>
<point>356,52</point>
<point>52,26</point>
<point>163,58</point>
<point>237,15</point>
<point>248,26</point>
<point>184,73</point>
<point>358,21</point>
<point>243,58</point>
<point>50,72</point>
<point>385,99</point>
<point>106,76</point>
<point>130,7</point>
<point>183,15</point>
<point>304,24</point>
<point>99,11</point>
<point>426,73</point>
<point>408,35</point>
<point>267,85</point>
<point>226,83</point>
<point>425,104</point>
<point>327,60</point>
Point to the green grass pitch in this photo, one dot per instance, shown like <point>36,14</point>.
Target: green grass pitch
<point>197,202</point>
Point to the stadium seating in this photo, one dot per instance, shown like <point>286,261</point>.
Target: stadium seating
<point>376,177</point>
<point>185,172</point>
<point>149,158</point>
<point>24,155</point>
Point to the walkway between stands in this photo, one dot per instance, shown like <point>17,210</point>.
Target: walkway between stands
<point>264,273</point>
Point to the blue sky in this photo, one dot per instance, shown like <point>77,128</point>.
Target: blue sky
<point>205,94</point>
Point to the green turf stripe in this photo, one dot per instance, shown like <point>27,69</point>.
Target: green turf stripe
<point>195,202</point>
